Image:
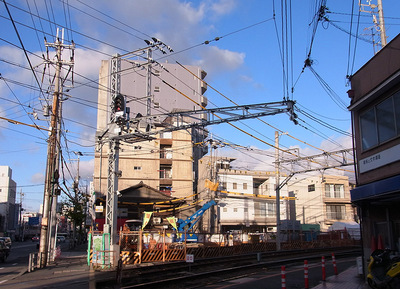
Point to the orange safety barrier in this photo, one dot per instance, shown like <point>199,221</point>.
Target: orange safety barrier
<point>129,257</point>
<point>159,246</point>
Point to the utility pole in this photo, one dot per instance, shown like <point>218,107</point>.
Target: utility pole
<point>56,192</point>
<point>76,194</point>
<point>277,192</point>
<point>382,24</point>
<point>21,226</point>
<point>379,24</point>
<point>52,165</point>
<point>148,80</point>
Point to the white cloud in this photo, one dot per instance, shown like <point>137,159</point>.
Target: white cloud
<point>87,63</point>
<point>215,60</point>
<point>342,142</point>
<point>86,169</point>
<point>37,178</point>
<point>223,6</point>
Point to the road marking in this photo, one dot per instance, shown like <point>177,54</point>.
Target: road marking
<point>14,264</point>
<point>3,281</point>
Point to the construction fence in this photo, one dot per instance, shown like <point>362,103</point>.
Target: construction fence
<point>161,246</point>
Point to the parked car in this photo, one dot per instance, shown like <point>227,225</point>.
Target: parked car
<point>60,239</point>
<point>35,239</point>
<point>6,240</point>
<point>4,251</point>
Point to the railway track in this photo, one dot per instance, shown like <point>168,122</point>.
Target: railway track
<point>168,275</point>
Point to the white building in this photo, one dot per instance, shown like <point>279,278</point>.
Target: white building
<point>8,210</point>
<point>246,200</point>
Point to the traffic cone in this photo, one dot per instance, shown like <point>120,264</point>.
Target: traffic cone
<point>373,244</point>
<point>380,243</point>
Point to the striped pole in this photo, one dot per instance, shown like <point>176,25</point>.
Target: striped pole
<point>306,274</point>
<point>323,269</point>
<point>283,277</point>
<point>334,263</point>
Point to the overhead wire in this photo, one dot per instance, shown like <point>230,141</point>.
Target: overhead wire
<point>215,39</point>
<point>208,85</point>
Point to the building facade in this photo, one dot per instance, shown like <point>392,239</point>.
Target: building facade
<point>322,200</point>
<point>375,110</point>
<point>168,161</point>
<point>8,210</point>
<point>246,200</point>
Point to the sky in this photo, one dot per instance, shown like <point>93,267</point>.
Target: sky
<point>253,51</point>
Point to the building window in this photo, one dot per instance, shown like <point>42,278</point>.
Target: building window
<point>165,152</point>
<point>311,188</point>
<point>167,134</point>
<point>235,186</point>
<point>334,190</point>
<point>222,186</point>
<point>166,190</point>
<point>336,212</point>
<point>235,210</point>
<point>244,186</point>
<point>271,212</point>
<point>156,89</point>
<point>165,172</point>
<point>263,209</point>
<point>225,210</point>
<point>381,122</point>
<point>137,168</point>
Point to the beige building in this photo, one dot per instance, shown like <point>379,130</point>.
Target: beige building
<point>168,162</point>
<point>322,200</point>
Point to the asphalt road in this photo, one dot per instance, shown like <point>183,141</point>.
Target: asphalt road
<point>17,261</point>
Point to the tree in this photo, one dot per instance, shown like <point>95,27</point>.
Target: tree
<point>75,210</point>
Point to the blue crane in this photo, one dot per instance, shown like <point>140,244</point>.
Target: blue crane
<point>186,226</point>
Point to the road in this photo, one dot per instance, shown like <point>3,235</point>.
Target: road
<point>17,261</point>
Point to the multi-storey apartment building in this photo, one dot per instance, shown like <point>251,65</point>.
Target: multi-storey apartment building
<point>168,162</point>
<point>8,210</point>
<point>246,200</point>
<point>375,110</point>
<point>322,200</point>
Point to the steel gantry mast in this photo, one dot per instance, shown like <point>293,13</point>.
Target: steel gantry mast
<point>117,132</point>
<point>119,119</point>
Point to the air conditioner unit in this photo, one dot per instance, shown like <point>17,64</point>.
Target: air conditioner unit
<point>157,220</point>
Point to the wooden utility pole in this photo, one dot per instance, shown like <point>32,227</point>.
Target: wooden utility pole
<point>52,165</point>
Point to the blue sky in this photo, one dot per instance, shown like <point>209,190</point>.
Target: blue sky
<point>245,65</point>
